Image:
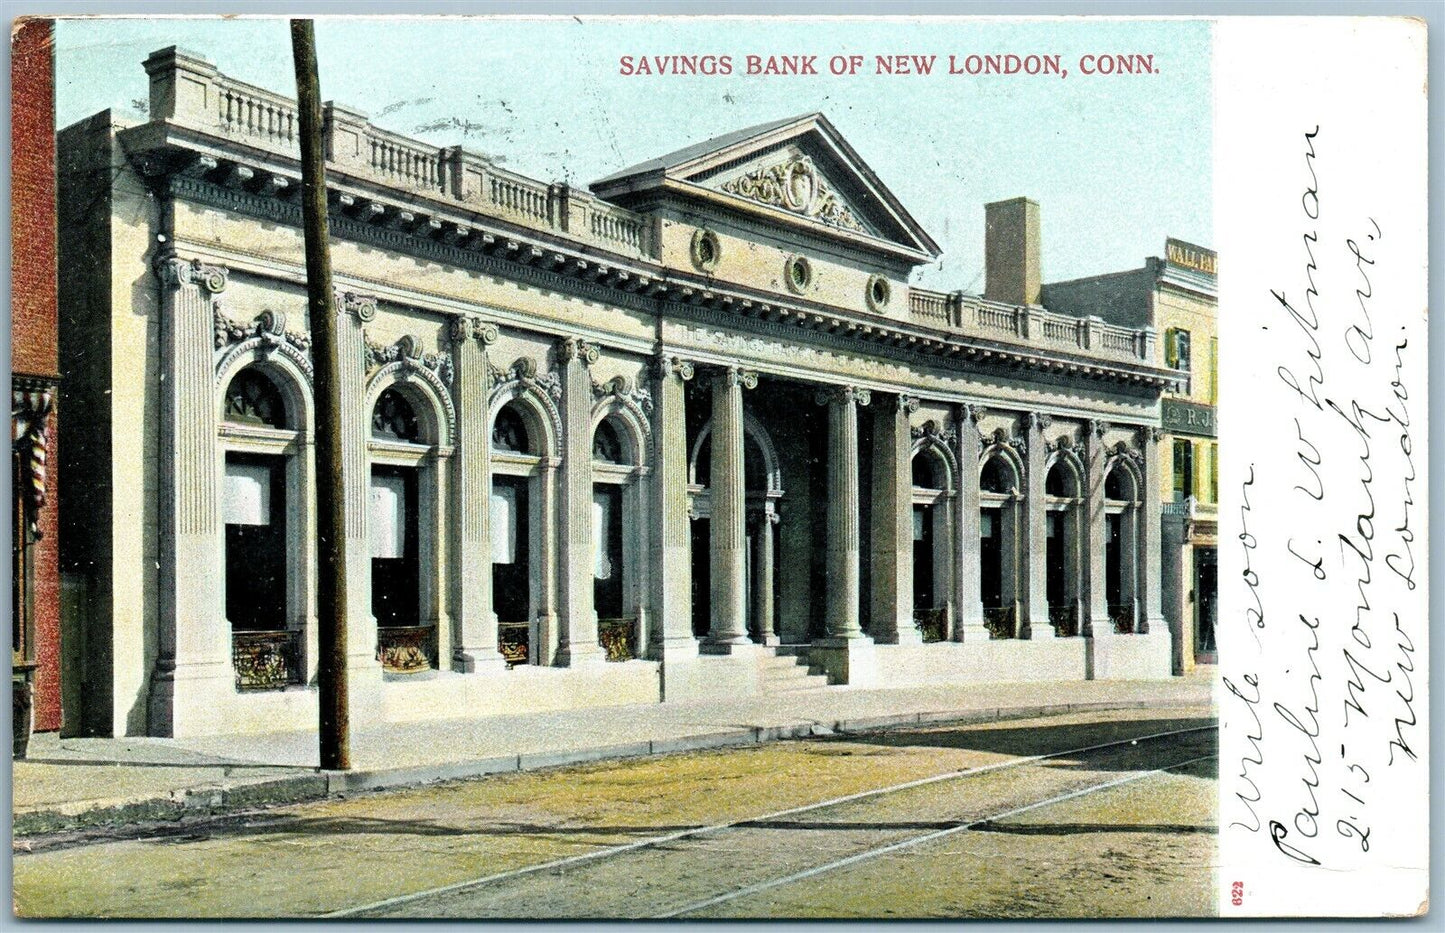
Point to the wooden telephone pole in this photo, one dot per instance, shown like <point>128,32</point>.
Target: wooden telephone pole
<point>334,721</point>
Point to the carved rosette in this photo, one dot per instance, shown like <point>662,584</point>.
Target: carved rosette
<point>843,395</point>
<point>175,272</point>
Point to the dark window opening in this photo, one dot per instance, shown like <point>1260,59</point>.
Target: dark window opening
<point>1183,469</point>
<point>606,444</point>
<point>252,398</point>
<point>394,419</point>
<point>1115,486</point>
<point>511,543</point>
<point>990,554</point>
<point>607,569</point>
<point>1054,559</point>
<point>923,595</point>
<point>996,477</point>
<point>509,432</point>
<point>256,551</point>
<point>395,570</point>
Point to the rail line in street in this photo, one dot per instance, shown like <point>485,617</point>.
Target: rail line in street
<point>560,866</point>
<point>961,827</point>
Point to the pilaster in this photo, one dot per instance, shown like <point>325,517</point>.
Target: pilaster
<point>193,658</point>
<point>1095,622</point>
<point>363,667</point>
<point>671,543</point>
<point>475,647</point>
<point>1034,623</point>
<point>577,637</point>
<point>1151,611</point>
<point>892,620</point>
<point>969,625</point>
<point>728,501</point>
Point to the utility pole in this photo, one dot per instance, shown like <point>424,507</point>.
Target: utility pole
<point>335,718</point>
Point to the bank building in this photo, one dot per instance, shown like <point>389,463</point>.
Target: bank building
<point>686,433</point>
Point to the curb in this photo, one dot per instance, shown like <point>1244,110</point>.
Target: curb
<point>211,800</point>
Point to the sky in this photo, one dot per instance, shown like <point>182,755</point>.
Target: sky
<point>1117,163</point>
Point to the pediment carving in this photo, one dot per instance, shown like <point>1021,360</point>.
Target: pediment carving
<point>796,185</point>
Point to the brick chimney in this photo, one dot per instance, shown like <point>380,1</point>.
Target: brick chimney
<point>1011,250</point>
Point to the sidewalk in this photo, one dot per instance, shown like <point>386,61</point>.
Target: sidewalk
<point>73,783</point>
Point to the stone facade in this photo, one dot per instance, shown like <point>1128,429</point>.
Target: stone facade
<point>632,444</point>
<point>1179,293</point>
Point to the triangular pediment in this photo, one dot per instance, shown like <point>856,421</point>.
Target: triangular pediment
<point>800,171</point>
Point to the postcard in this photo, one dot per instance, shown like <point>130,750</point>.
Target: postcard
<point>602,467</point>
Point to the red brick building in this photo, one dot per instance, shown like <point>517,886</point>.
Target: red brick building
<point>35,378</point>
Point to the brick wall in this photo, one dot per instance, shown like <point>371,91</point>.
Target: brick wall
<point>34,311</point>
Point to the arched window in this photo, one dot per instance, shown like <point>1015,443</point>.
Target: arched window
<point>509,431</point>
<point>606,444</point>
<point>263,504</point>
<point>393,419</point>
<point>1117,485</point>
<point>252,398</point>
<point>997,476</point>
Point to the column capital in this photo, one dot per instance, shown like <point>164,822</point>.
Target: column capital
<point>842,395</point>
<point>1098,427</point>
<point>665,365</point>
<point>575,348</point>
<point>175,272</point>
<point>362,307</point>
<point>470,327</point>
<point>1039,420</point>
<point>1150,432</point>
<point>737,376</point>
<point>908,403</point>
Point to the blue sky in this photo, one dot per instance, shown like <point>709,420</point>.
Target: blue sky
<point>1117,163</point>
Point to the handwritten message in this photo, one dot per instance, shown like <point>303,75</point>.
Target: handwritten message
<point>1323,627</point>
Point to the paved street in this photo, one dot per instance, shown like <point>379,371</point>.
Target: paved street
<point>1088,814</point>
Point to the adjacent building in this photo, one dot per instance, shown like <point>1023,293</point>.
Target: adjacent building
<point>35,375</point>
<point>687,433</point>
<point>1179,294</point>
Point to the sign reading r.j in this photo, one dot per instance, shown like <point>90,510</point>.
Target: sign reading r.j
<point>1189,418</point>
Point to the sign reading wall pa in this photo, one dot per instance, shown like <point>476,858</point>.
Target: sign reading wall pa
<point>1189,256</point>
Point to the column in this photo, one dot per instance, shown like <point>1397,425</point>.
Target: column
<point>892,620</point>
<point>843,531</point>
<point>543,557</point>
<point>671,544</point>
<point>193,657</point>
<point>1095,622</point>
<point>1151,558</point>
<point>728,501</point>
<point>968,600</point>
<point>1033,537</point>
<point>475,647</point>
<point>577,637</point>
<point>763,578</point>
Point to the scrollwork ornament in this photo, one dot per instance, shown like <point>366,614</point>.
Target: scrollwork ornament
<point>575,348</point>
<point>176,272</point>
<point>363,307</point>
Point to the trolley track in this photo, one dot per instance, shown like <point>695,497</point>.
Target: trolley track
<point>853,839</point>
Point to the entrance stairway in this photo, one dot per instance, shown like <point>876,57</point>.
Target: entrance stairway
<point>788,671</point>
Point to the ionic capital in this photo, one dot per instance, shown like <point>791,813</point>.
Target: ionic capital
<point>175,272</point>
<point>737,376</point>
<point>908,403</point>
<point>361,307</point>
<point>843,395</point>
<point>575,348</point>
<point>468,327</point>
